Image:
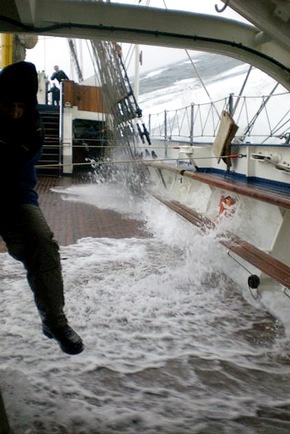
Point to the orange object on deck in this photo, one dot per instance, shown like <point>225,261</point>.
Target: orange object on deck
<point>225,204</point>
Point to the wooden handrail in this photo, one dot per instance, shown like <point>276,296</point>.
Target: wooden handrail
<point>235,186</point>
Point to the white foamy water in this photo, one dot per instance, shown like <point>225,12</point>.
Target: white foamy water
<point>172,346</point>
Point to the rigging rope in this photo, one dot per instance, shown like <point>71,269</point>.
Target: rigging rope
<point>241,91</point>
<point>197,73</point>
<point>255,117</point>
<point>91,161</point>
<point>202,82</point>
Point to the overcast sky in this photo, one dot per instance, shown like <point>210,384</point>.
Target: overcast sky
<point>54,51</point>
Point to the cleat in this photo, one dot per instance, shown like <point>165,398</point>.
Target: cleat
<point>69,341</point>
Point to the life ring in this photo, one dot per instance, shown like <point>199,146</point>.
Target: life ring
<point>226,205</point>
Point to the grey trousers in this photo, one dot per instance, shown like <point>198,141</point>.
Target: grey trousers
<point>29,239</point>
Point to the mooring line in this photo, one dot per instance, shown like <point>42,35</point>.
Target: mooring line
<point>142,160</point>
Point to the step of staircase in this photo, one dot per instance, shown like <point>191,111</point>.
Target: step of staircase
<point>50,162</point>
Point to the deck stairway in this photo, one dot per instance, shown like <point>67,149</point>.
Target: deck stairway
<point>49,162</point>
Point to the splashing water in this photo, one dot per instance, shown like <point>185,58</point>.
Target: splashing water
<point>172,346</point>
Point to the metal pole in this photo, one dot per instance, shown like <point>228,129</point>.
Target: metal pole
<point>231,104</point>
<point>191,122</point>
<point>137,73</point>
<point>165,133</point>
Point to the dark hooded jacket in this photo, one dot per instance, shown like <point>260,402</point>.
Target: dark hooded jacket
<point>21,139</point>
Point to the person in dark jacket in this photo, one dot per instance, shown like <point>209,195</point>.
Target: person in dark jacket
<point>55,95</point>
<point>22,225</point>
<point>59,74</point>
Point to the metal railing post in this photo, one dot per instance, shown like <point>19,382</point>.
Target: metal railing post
<point>165,134</point>
<point>191,123</point>
<point>231,104</point>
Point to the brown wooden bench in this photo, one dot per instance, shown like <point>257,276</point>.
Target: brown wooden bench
<point>272,267</point>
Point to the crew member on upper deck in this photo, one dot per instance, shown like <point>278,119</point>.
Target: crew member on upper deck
<point>59,74</point>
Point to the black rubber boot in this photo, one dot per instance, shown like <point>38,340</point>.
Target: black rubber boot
<point>69,341</point>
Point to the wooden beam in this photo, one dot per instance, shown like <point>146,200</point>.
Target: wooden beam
<point>235,186</point>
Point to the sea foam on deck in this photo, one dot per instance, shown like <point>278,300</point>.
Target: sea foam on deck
<point>172,346</point>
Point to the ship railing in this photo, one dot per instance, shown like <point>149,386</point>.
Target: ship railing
<point>261,120</point>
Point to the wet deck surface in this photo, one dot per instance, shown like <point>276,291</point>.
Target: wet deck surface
<point>71,221</point>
